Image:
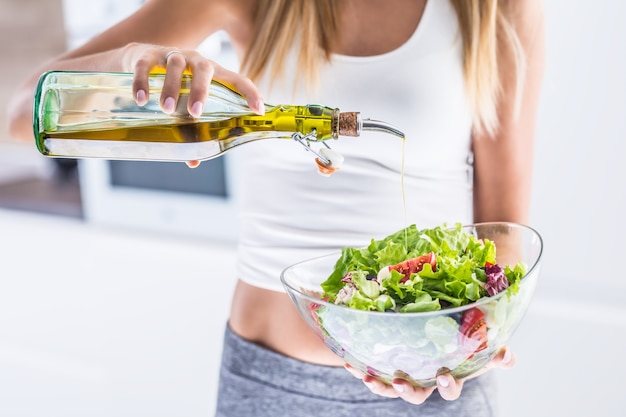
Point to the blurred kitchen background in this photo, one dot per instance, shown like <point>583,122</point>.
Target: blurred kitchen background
<point>114,288</point>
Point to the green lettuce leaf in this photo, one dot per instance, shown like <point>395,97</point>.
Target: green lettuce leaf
<point>457,279</point>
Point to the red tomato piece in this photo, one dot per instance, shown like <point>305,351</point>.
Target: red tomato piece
<point>414,265</point>
<point>473,330</point>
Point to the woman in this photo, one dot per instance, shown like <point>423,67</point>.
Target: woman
<point>460,77</point>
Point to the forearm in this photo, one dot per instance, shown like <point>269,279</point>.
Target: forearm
<point>504,163</point>
<point>505,196</point>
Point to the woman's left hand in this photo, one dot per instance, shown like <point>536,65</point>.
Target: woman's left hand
<point>449,388</point>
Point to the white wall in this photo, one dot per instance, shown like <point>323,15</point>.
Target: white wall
<point>85,19</point>
<point>580,191</point>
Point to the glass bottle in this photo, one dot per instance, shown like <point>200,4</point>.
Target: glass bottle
<point>94,115</point>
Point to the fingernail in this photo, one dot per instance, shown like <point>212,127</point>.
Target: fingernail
<point>369,384</point>
<point>398,387</point>
<point>443,381</point>
<point>196,109</point>
<point>260,107</point>
<point>506,359</point>
<point>141,97</point>
<point>169,105</point>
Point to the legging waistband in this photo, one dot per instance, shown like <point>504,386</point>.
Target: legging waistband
<point>255,362</point>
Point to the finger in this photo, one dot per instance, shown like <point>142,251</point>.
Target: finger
<point>193,164</point>
<point>175,65</point>
<point>410,393</point>
<point>448,387</point>
<point>504,359</point>
<point>202,70</point>
<point>355,372</point>
<point>374,385</point>
<point>141,71</point>
<point>244,86</point>
<point>379,387</point>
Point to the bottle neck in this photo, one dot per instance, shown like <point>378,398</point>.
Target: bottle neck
<point>352,124</point>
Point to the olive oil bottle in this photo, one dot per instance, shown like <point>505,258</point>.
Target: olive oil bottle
<point>94,115</point>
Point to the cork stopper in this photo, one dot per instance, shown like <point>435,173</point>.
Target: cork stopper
<point>349,124</point>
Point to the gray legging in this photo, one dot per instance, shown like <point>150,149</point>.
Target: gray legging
<point>255,381</point>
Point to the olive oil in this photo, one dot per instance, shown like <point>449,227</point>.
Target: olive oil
<point>94,115</point>
<point>280,119</point>
<point>406,221</point>
<point>198,138</point>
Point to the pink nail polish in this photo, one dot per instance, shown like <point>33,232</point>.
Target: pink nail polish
<point>443,381</point>
<point>196,109</point>
<point>169,105</point>
<point>506,359</point>
<point>260,105</point>
<point>141,97</point>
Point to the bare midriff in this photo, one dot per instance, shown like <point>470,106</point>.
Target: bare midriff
<point>269,318</point>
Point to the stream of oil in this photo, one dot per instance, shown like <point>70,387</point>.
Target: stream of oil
<point>406,238</point>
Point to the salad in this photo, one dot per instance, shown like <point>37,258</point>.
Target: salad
<point>420,271</point>
<point>416,270</point>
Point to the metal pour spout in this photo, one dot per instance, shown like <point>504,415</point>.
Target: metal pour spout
<point>378,126</point>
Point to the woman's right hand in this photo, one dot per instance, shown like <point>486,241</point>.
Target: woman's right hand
<point>145,58</point>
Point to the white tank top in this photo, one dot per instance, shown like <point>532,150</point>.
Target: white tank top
<point>290,213</point>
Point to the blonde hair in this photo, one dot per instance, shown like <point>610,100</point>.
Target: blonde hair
<point>488,38</point>
<point>280,23</point>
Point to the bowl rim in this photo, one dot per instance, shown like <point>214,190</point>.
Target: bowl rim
<point>533,269</point>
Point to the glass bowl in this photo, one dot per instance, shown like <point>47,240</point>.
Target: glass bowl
<point>418,346</point>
